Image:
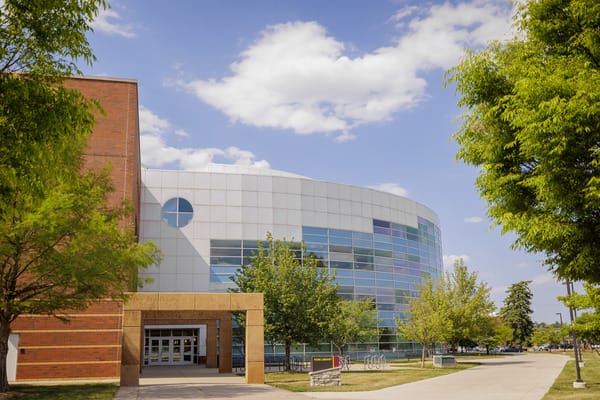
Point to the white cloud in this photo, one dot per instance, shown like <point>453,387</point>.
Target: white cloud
<point>392,188</point>
<point>296,76</point>
<point>543,279</point>
<point>448,260</point>
<point>473,220</point>
<point>107,21</point>
<point>181,133</point>
<point>157,153</point>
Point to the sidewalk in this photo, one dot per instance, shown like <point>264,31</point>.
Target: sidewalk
<point>522,377</point>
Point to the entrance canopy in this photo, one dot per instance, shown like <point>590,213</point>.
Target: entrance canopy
<point>204,305</point>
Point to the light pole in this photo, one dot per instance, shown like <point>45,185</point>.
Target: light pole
<point>562,339</point>
<point>578,384</point>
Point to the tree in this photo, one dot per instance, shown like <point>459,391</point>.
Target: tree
<point>587,325</point>
<point>516,312</point>
<point>62,246</point>
<point>469,306</point>
<point>355,321</point>
<point>531,126</point>
<point>548,334</point>
<point>428,321</point>
<point>299,297</point>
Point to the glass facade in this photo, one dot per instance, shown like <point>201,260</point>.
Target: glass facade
<point>386,265</point>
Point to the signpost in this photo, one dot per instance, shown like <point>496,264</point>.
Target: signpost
<point>321,363</point>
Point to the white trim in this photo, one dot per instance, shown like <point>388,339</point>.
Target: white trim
<point>172,326</point>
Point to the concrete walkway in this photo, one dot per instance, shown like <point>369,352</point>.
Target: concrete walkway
<point>518,377</point>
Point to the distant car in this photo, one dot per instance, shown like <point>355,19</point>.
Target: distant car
<point>510,349</point>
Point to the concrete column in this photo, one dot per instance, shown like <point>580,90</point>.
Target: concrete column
<point>132,348</point>
<point>225,344</point>
<point>255,343</point>
<point>211,344</point>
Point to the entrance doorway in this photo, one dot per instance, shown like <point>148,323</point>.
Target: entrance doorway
<point>174,345</point>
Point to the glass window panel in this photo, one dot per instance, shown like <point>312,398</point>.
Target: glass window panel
<point>384,268</point>
<point>382,253</point>
<point>382,238</point>
<point>384,276</point>
<point>385,284</point>
<point>382,246</point>
<point>184,219</point>
<point>223,270</point>
<point>368,290</point>
<point>340,233</point>
<point>309,230</point>
<point>363,266</point>
<point>344,272</point>
<point>340,249</point>
<point>341,257</point>
<point>362,250</point>
<point>170,206</point>
<point>226,261</point>
<point>383,260</point>
<point>215,278</point>
<point>362,236</point>
<point>185,206</point>
<point>341,264</point>
<point>225,252</point>
<point>344,281</point>
<point>364,282</point>
<point>225,243</point>
<point>340,240</point>
<point>385,307</point>
<point>378,222</point>
<point>381,231</point>
<point>170,219</point>
<point>363,243</point>
<point>315,239</point>
<point>363,258</point>
<point>364,274</point>
<point>316,247</point>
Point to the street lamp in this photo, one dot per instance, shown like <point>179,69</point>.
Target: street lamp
<point>578,384</point>
<point>562,339</point>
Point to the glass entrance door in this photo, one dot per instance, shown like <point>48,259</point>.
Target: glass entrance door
<point>171,351</point>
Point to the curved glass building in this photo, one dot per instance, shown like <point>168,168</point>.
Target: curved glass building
<point>207,223</point>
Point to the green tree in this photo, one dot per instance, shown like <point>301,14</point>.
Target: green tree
<point>548,334</point>
<point>531,126</point>
<point>516,312</point>
<point>428,321</point>
<point>355,321</point>
<point>469,306</point>
<point>586,324</point>
<point>62,245</point>
<point>299,297</point>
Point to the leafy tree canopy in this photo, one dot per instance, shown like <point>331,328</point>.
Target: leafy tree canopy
<point>532,107</point>
<point>469,306</point>
<point>355,321</point>
<point>46,38</point>
<point>428,320</point>
<point>299,297</point>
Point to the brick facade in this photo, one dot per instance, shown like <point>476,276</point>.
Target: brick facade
<point>89,345</point>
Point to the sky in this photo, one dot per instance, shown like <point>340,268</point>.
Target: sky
<point>346,91</point>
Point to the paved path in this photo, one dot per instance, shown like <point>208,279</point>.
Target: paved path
<point>519,377</point>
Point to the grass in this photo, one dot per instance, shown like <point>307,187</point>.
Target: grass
<point>96,391</point>
<point>358,380</point>
<point>590,374</point>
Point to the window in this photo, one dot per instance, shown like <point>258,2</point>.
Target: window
<point>177,212</point>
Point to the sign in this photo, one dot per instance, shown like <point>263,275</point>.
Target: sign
<point>320,363</point>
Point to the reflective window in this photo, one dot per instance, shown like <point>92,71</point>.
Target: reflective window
<point>177,212</point>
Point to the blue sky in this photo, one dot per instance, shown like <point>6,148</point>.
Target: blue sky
<point>346,91</point>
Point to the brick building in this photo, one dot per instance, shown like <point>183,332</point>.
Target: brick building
<point>89,345</point>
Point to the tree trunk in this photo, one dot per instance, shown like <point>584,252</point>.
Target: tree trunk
<point>288,348</point>
<point>4,335</point>
<point>423,356</point>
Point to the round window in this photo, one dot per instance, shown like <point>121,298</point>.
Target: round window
<point>177,212</point>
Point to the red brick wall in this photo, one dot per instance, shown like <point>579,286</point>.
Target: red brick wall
<point>89,346</point>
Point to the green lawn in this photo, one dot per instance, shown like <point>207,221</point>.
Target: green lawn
<point>590,374</point>
<point>97,391</point>
<point>355,381</point>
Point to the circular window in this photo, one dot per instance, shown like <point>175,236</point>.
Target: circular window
<point>177,212</point>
